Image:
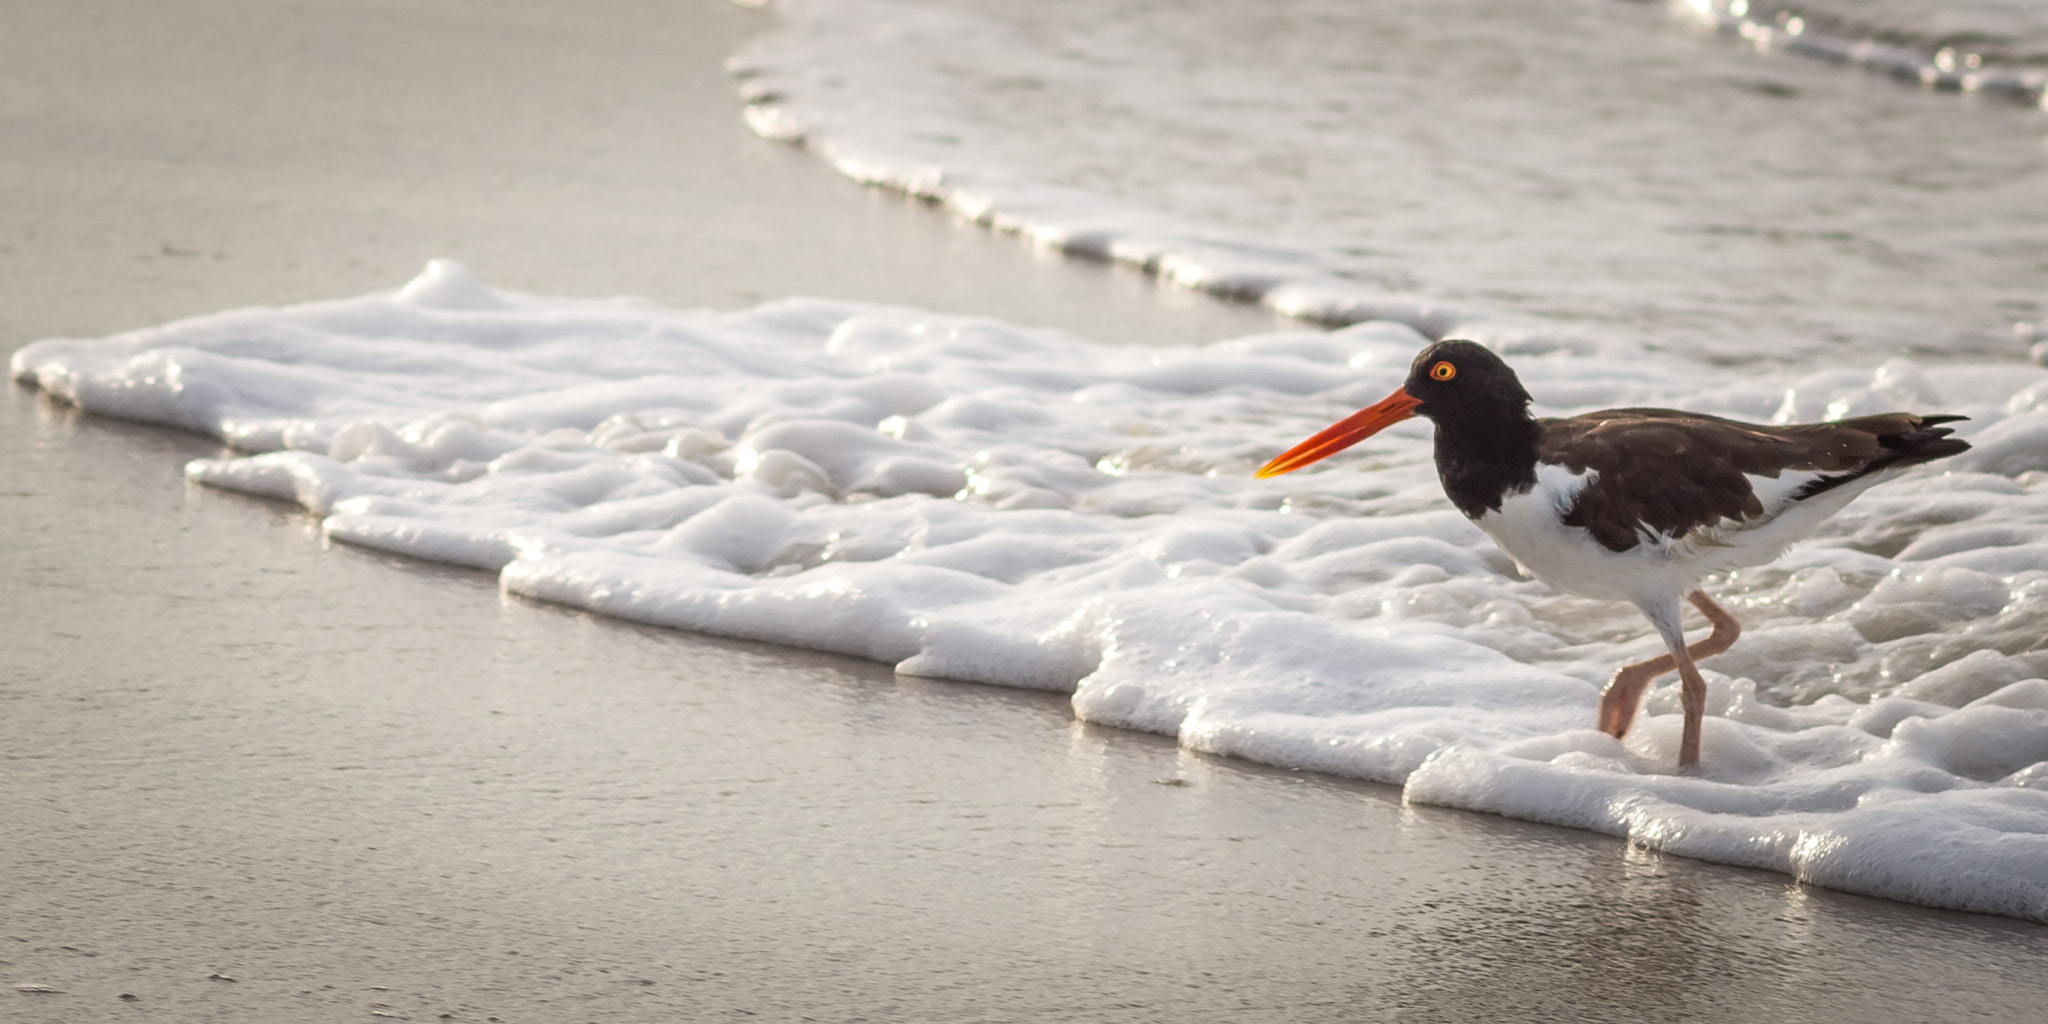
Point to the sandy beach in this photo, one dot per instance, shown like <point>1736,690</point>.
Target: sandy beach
<point>252,777</point>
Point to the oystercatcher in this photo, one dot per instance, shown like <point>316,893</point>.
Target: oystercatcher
<point>1633,505</point>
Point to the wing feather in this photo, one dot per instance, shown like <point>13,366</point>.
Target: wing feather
<point>1677,474</point>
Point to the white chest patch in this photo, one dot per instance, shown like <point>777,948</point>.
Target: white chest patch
<point>1530,527</point>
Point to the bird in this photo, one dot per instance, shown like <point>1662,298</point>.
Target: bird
<point>1636,505</point>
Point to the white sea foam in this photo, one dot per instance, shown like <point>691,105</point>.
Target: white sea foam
<point>967,499</point>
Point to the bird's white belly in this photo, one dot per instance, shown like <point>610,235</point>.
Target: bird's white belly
<point>1530,527</point>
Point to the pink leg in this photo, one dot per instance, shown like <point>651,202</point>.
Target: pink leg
<point>1624,692</point>
<point>1692,699</point>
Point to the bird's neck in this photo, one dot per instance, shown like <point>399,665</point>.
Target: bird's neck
<point>1482,461</point>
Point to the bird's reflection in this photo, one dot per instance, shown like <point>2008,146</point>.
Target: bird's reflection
<point>1632,937</point>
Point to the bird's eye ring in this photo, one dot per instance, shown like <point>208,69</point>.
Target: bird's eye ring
<point>1443,371</point>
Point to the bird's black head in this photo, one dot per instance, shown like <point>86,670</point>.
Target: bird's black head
<point>1464,382</point>
<point>1480,409</point>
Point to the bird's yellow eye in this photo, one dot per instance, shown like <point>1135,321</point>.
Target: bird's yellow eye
<point>1443,371</point>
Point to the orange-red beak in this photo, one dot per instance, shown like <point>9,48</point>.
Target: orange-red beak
<point>1344,433</point>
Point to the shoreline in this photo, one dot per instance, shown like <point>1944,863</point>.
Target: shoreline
<point>353,783</point>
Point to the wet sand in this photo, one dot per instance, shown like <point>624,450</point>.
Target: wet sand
<point>248,777</point>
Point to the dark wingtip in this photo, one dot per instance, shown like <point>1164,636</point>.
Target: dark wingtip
<point>1926,441</point>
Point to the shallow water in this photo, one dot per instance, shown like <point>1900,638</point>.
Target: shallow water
<point>1598,168</point>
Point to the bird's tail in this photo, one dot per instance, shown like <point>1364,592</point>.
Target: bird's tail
<point>1907,440</point>
<point>1926,441</point>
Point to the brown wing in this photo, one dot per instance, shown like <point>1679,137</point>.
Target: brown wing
<point>1675,472</point>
